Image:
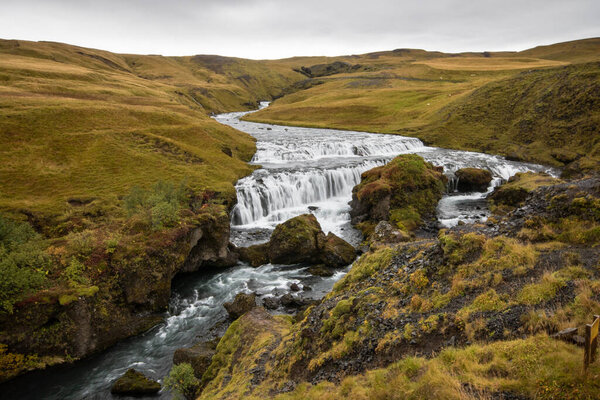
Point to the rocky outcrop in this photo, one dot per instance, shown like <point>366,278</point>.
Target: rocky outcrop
<point>198,356</point>
<point>300,240</point>
<point>209,244</point>
<point>85,320</point>
<point>518,187</point>
<point>405,192</point>
<point>256,255</point>
<point>336,67</point>
<point>473,179</point>
<point>297,240</point>
<point>385,233</point>
<point>336,252</point>
<point>134,383</point>
<point>242,303</point>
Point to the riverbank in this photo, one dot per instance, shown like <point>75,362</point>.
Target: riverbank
<point>483,310</point>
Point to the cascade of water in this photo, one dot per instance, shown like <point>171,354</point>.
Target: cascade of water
<point>282,151</point>
<point>264,193</point>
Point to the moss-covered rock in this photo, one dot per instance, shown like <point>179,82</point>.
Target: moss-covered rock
<point>297,240</point>
<point>336,252</point>
<point>242,303</point>
<point>405,192</point>
<point>134,383</point>
<point>473,179</point>
<point>300,240</point>
<point>321,270</point>
<point>518,187</point>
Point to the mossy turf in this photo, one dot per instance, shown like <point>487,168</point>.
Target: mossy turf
<point>406,191</point>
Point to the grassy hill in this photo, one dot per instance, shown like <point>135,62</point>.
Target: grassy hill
<point>88,124</point>
<point>540,104</point>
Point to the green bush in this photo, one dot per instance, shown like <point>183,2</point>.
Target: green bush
<point>23,262</point>
<point>160,205</point>
<point>182,381</point>
<point>75,273</point>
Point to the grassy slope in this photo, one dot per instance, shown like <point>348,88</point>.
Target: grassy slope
<point>497,297</point>
<point>466,101</point>
<point>83,123</point>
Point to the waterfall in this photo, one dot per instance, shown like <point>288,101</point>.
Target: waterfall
<point>281,151</point>
<point>265,193</point>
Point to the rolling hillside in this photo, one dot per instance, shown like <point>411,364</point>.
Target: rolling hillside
<point>510,103</point>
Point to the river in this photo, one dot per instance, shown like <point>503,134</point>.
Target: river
<point>303,170</point>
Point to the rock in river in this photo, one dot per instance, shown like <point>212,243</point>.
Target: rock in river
<point>134,383</point>
<point>242,303</point>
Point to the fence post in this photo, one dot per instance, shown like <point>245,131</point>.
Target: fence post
<point>594,340</point>
<point>591,342</point>
<point>586,349</point>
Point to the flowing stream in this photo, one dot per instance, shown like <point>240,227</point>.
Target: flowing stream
<point>303,170</point>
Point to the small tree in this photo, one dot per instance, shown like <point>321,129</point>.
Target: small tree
<point>182,381</point>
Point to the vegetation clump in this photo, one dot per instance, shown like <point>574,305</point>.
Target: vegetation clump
<point>134,383</point>
<point>24,264</point>
<point>182,381</point>
<point>160,205</point>
<point>405,191</point>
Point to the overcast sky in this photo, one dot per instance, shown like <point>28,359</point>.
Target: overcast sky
<point>281,28</point>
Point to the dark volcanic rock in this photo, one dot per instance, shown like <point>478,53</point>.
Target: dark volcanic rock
<point>321,270</point>
<point>290,301</point>
<point>254,255</point>
<point>242,303</point>
<point>336,252</point>
<point>271,303</point>
<point>198,356</point>
<point>134,383</point>
<point>473,179</point>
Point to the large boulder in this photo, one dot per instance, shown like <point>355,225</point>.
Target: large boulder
<point>198,356</point>
<point>336,252</point>
<point>300,240</point>
<point>473,179</point>
<point>405,192</point>
<point>134,383</point>
<point>242,303</point>
<point>297,240</point>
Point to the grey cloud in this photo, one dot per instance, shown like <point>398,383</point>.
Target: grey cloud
<point>276,28</point>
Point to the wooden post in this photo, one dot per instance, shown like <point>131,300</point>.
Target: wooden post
<point>586,349</point>
<point>594,340</point>
<point>591,342</point>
